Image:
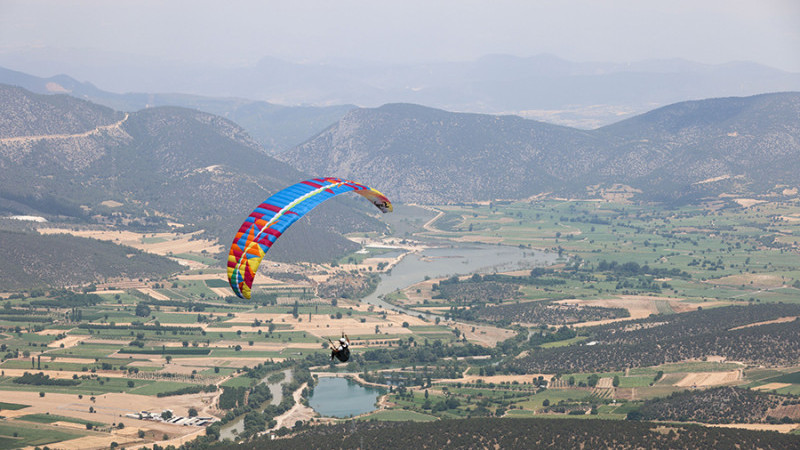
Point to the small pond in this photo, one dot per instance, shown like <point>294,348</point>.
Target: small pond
<point>343,397</point>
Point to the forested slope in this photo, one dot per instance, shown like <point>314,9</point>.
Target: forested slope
<point>523,433</point>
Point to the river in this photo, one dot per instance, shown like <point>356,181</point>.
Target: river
<point>232,429</point>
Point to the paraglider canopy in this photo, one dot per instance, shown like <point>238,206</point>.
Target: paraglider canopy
<point>273,216</point>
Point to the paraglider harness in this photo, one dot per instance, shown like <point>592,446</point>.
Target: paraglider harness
<point>342,352</point>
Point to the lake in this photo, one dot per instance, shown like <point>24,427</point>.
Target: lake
<point>343,397</point>
<point>459,259</point>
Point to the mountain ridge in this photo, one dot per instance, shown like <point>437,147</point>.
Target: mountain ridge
<point>426,155</point>
<point>585,95</point>
<point>275,127</point>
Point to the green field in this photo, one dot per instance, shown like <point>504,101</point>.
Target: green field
<point>686,367</point>
<point>51,418</point>
<point>23,434</point>
<point>793,378</point>
<point>635,381</point>
<point>239,382</point>
<point>157,387</point>
<point>12,406</point>
<point>92,386</point>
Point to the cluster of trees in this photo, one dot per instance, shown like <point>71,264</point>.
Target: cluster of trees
<point>196,389</point>
<point>348,285</point>
<point>521,433</point>
<point>136,326</point>
<point>38,318</point>
<point>631,269</point>
<point>66,299</point>
<point>663,339</point>
<point>476,292</point>
<point>166,351</point>
<point>717,405</point>
<point>59,260</point>
<point>420,354</point>
<point>40,379</point>
<point>538,312</point>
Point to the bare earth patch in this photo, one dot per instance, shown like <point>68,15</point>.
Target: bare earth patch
<point>638,306</point>
<point>206,275</point>
<point>152,293</point>
<point>164,244</point>
<point>222,291</point>
<point>69,341</point>
<point>706,379</point>
<point>792,411</point>
<point>485,335</point>
<point>781,428</point>
<point>767,322</point>
<point>297,412</point>
<point>60,374</point>
<point>97,441</point>
<point>109,408</point>
<point>681,307</point>
<point>480,239</point>
<point>496,379</point>
<point>747,202</point>
<point>751,279</point>
<point>322,326</point>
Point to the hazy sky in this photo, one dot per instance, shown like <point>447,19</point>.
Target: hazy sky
<point>236,32</point>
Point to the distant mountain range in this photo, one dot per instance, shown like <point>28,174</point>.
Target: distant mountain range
<point>277,128</point>
<point>679,152</point>
<point>69,159</point>
<point>543,87</point>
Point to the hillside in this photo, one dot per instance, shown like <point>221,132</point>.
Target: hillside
<point>426,155</point>
<point>31,260</point>
<point>692,335</point>
<point>522,433</point>
<point>146,169</point>
<point>739,145</point>
<point>25,115</point>
<point>724,404</point>
<point>748,144</point>
<point>275,127</point>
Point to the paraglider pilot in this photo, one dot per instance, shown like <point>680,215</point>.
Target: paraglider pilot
<point>341,350</point>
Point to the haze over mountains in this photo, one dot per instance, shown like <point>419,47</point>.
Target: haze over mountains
<point>545,87</point>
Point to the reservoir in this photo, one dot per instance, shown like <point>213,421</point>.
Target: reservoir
<point>459,259</point>
<point>342,397</point>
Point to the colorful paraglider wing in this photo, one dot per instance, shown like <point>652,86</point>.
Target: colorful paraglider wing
<point>272,217</point>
